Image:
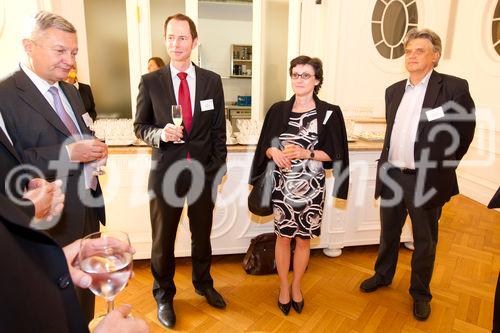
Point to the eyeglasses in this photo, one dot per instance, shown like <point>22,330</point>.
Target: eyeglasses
<point>304,76</point>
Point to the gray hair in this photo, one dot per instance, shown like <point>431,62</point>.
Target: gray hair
<point>428,34</point>
<point>45,20</point>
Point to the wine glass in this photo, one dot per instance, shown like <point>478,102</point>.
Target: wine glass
<point>101,131</point>
<point>101,163</point>
<point>107,257</point>
<point>177,118</point>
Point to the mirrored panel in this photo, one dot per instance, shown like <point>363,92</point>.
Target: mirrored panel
<point>108,57</point>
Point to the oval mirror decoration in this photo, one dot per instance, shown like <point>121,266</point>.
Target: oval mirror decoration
<point>495,28</point>
<point>391,20</point>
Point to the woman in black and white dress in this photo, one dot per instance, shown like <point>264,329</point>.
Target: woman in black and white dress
<point>302,137</point>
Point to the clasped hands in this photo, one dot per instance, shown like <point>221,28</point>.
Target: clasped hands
<point>283,158</point>
<point>172,133</point>
<point>46,197</point>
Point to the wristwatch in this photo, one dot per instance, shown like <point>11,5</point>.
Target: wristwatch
<point>311,155</point>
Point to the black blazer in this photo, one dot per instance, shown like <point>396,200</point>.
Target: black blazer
<point>332,139</point>
<point>452,93</point>
<point>36,288</point>
<point>39,137</point>
<point>88,99</point>
<point>10,160</point>
<point>206,142</point>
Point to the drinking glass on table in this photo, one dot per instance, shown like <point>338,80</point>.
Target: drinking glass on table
<point>177,118</point>
<point>107,257</point>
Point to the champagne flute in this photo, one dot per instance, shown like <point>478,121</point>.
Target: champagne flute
<point>107,257</point>
<point>177,118</point>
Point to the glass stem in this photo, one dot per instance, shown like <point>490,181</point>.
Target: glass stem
<point>111,305</point>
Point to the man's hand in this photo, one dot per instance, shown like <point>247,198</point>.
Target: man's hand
<point>117,321</point>
<point>87,150</point>
<point>79,277</point>
<point>46,197</point>
<point>172,133</point>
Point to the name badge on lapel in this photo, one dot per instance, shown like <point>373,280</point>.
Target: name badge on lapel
<point>327,116</point>
<point>88,120</point>
<point>207,104</point>
<point>435,114</point>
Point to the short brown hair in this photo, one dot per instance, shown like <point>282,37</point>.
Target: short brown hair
<point>158,61</point>
<point>315,63</point>
<point>428,34</point>
<point>181,17</point>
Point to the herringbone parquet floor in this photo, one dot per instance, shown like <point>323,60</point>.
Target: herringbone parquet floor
<point>463,285</point>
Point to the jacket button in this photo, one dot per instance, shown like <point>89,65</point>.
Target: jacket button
<point>64,281</point>
<point>338,156</point>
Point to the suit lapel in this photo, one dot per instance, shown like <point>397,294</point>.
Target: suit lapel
<point>431,95</point>
<point>200,82</point>
<point>167,87</point>
<point>321,113</point>
<point>32,96</point>
<point>288,106</point>
<point>396,100</point>
<point>5,141</point>
<point>72,97</point>
<point>399,91</point>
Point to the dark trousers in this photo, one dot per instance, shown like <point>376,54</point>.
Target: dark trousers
<point>425,235</point>
<point>164,221</point>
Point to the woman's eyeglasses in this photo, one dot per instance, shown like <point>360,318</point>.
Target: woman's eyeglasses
<point>304,76</point>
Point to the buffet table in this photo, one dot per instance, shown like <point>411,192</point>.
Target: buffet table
<point>345,222</point>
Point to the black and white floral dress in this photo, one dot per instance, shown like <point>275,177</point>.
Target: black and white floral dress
<point>298,195</point>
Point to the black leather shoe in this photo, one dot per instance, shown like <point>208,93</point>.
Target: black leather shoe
<point>213,297</point>
<point>372,284</point>
<point>421,309</point>
<point>285,308</point>
<point>166,314</point>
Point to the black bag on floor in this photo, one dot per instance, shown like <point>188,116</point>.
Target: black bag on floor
<point>259,259</point>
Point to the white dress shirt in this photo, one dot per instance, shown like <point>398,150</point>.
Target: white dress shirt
<point>404,131</point>
<point>191,80</point>
<point>43,86</point>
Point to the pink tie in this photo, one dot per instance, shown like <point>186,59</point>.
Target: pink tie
<point>61,112</point>
<point>185,102</point>
<point>91,180</point>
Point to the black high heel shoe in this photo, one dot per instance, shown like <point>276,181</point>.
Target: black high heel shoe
<point>298,306</point>
<point>285,308</point>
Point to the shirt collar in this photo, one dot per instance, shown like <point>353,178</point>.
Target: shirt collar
<point>424,81</point>
<point>191,73</point>
<point>40,83</point>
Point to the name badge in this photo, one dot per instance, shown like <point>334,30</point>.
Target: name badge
<point>88,120</point>
<point>435,114</point>
<point>207,104</point>
<point>327,116</point>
